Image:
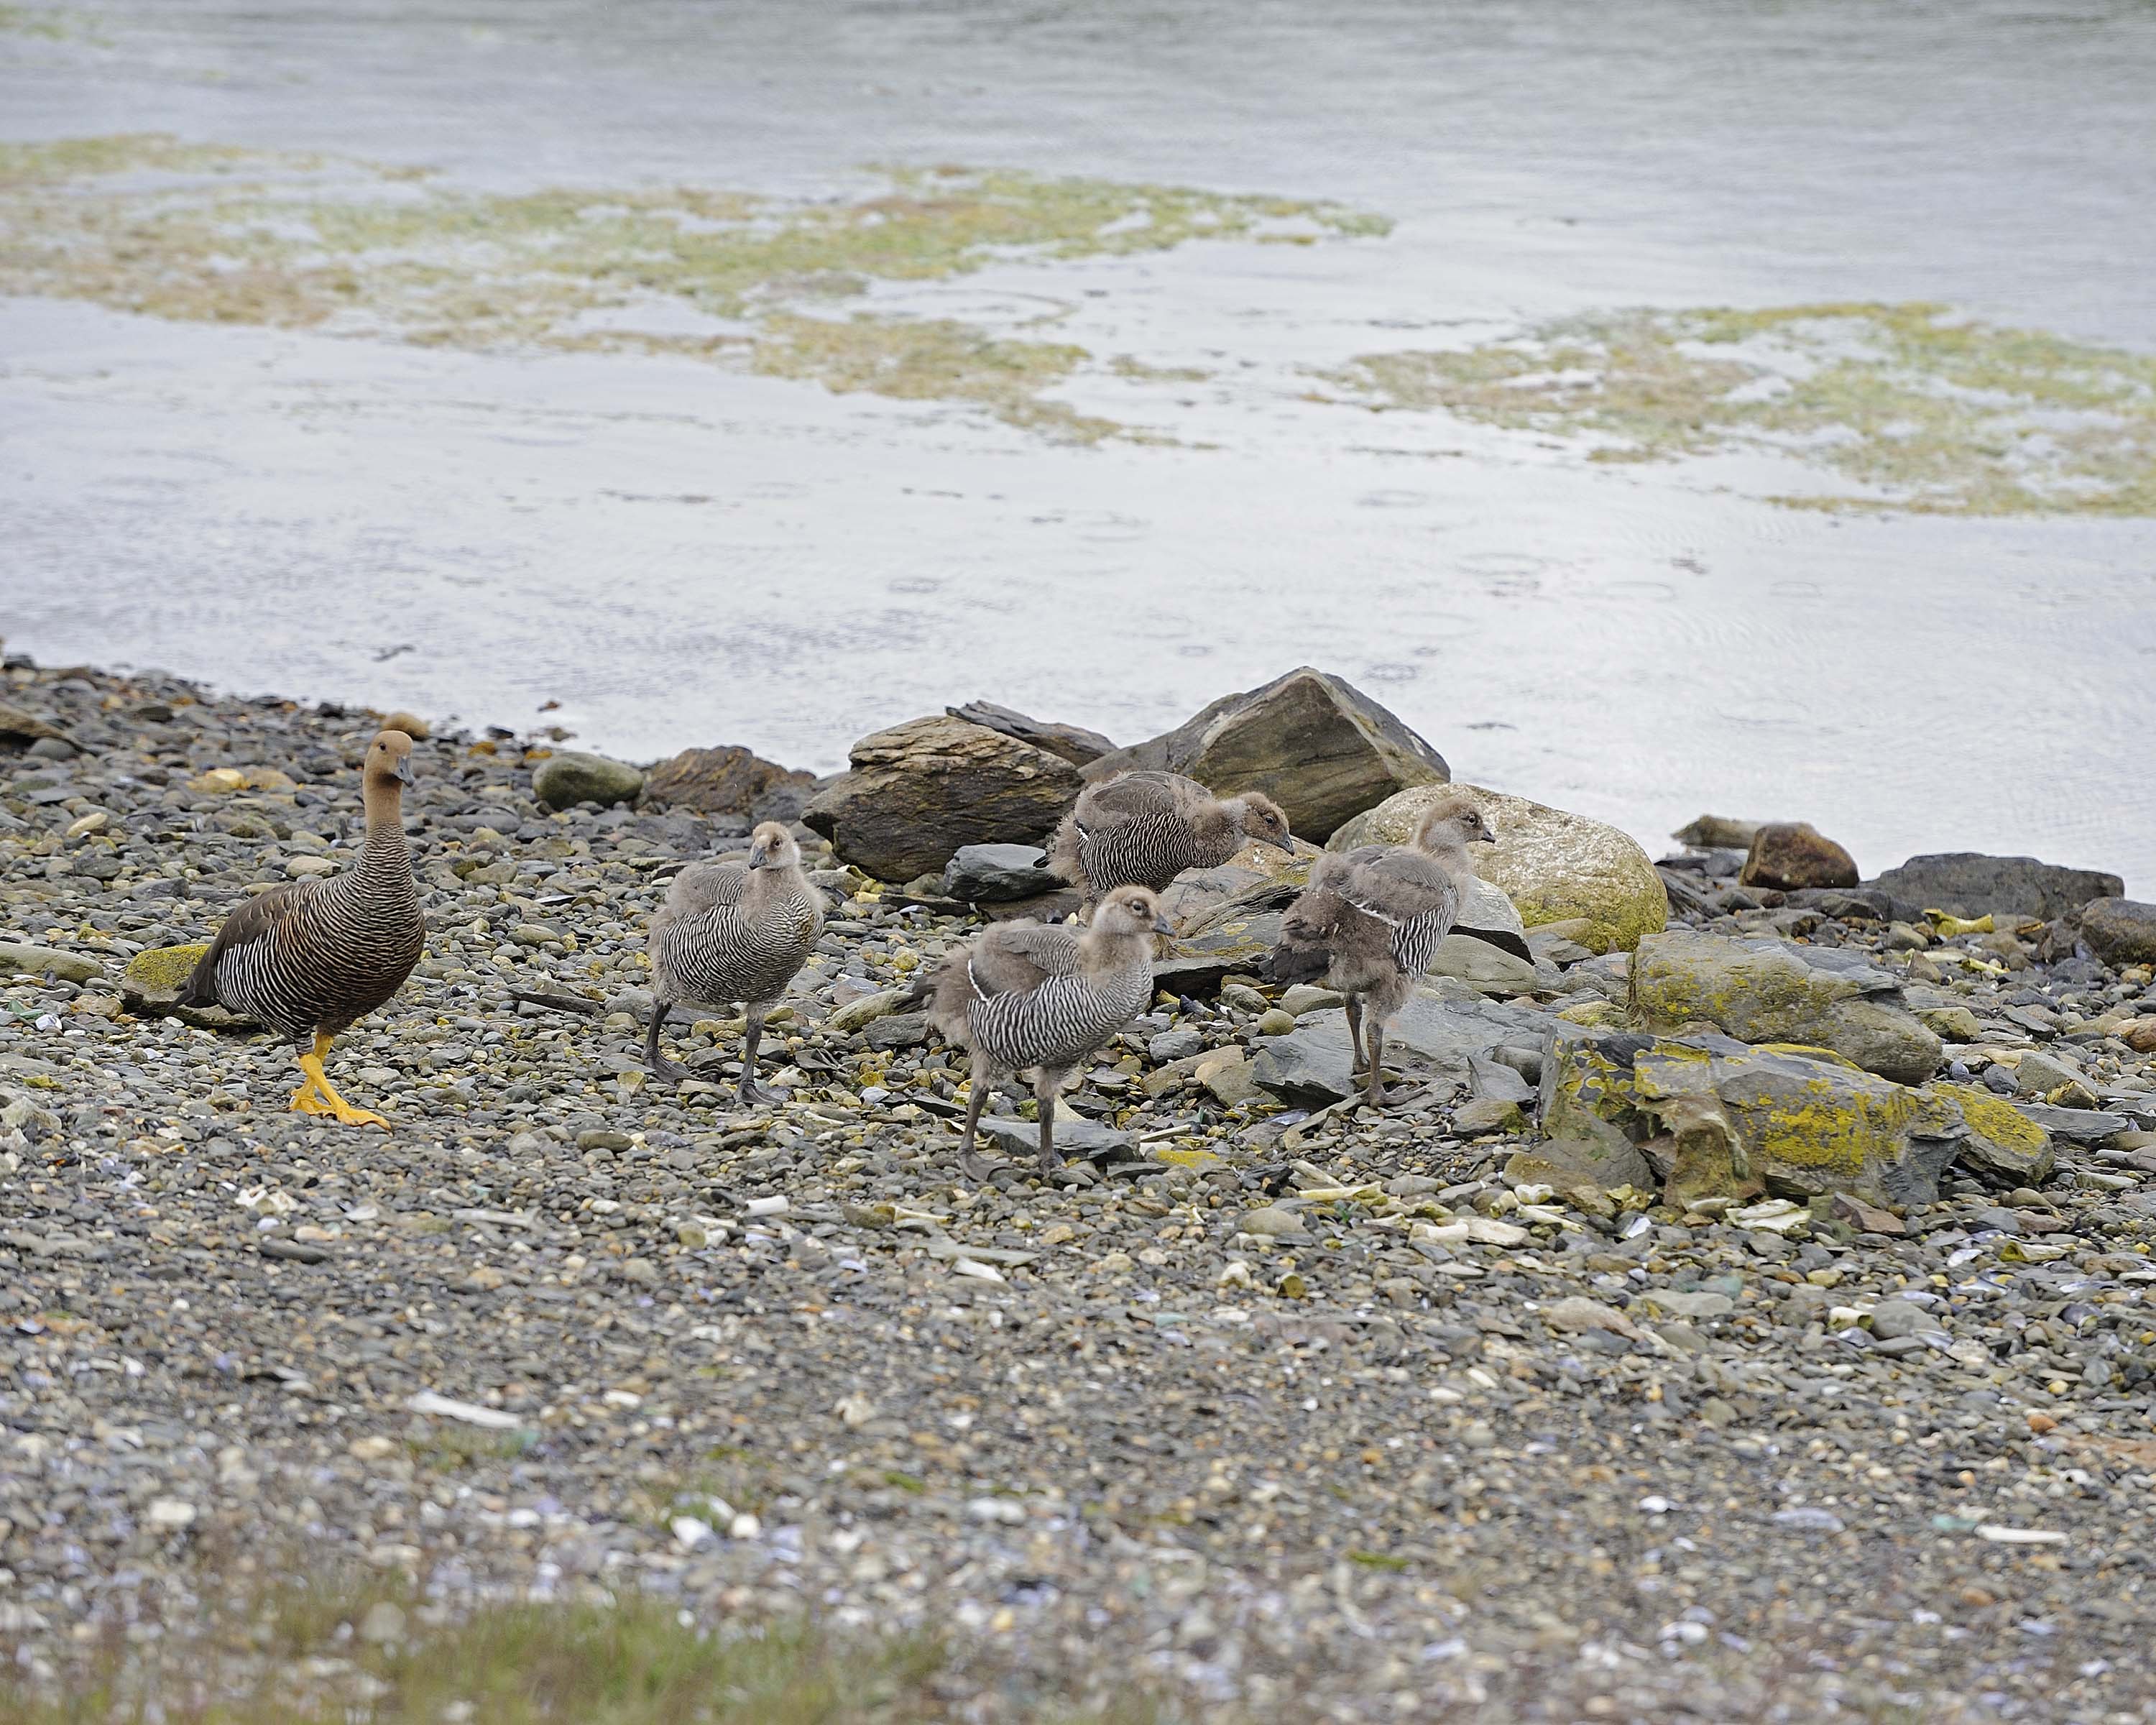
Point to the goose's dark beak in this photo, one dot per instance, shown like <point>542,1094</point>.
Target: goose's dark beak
<point>1286,844</point>
<point>1161,924</point>
<point>759,853</point>
<point>405,775</point>
<point>1486,837</point>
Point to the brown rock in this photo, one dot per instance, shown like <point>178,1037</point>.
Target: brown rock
<point>2141,1035</point>
<point>22,726</point>
<point>2120,931</point>
<point>918,791</point>
<point>1864,1218</point>
<point>729,780</point>
<point>1073,742</point>
<point>1788,855</point>
<point>1314,743</point>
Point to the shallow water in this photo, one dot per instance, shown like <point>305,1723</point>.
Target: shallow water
<point>679,554</point>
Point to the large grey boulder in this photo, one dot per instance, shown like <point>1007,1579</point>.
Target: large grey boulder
<point>570,776</point>
<point>1484,969</point>
<point>917,792</point>
<point>1441,1033</point>
<point>1771,991</point>
<point>1313,742</point>
<point>997,873</point>
<point>2120,931</point>
<point>1969,884</point>
<point>1717,1118</point>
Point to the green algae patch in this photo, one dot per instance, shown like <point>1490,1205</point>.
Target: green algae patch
<point>931,359</point>
<point>1928,411</point>
<point>208,233</point>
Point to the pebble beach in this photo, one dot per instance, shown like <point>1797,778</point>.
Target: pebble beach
<point>1278,1412</point>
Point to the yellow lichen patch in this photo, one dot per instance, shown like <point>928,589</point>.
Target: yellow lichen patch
<point>150,225</point>
<point>1932,411</point>
<point>162,969</point>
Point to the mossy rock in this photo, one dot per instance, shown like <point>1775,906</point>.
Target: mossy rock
<point>1804,1121</point>
<point>1555,866</point>
<point>1770,992</point>
<point>153,981</point>
<point>164,970</point>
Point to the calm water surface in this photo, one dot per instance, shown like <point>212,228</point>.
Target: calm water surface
<point>677,554</point>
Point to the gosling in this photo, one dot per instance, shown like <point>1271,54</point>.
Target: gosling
<point>729,932</point>
<point>1024,996</point>
<point>1371,921</point>
<point>1144,829</point>
<point>311,958</point>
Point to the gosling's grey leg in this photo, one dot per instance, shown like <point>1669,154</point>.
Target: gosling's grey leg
<point>753,1093</point>
<point>1375,1094</point>
<point>660,1066</point>
<point>1046,1084</point>
<point>1354,1009</point>
<point>975,1169</point>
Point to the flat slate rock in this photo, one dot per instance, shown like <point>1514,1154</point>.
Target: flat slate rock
<point>2083,1126</point>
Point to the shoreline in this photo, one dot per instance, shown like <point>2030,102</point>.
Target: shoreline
<point>1266,1401</point>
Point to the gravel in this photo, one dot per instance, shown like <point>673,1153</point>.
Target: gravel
<point>1302,1416</point>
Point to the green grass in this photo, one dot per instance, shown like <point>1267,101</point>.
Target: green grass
<point>305,1654</point>
<point>1933,412</point>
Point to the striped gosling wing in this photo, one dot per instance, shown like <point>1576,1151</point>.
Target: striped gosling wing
<point>1061,1022</point>
<point>706,945</point>
<point>1148,849</point>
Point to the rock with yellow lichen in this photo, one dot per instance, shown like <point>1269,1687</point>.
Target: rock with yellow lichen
<point>1717,1118</point>
<point>1555,866</point>
<point>1771,991</point>
<point>154,979</point>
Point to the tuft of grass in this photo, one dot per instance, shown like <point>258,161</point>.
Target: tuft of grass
<point>1935,413</point>
<point>204,233</point>
<point>374,1654</point>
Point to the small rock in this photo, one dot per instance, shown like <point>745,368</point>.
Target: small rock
<point>1789,856</point>
<point>1308,996</point>
<point>1272,1224</point>
<point>383,1625</point>
<point>48,961</point>
<point>1892,1319</point>
<point>1488,1114</point>
<point>1275,1021</point>
<point>997,873</point>
<point>566,779</point>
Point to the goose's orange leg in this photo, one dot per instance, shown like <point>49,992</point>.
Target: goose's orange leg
<point>318,1095</point>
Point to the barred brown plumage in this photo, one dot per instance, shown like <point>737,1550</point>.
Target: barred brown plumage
<point>311,958</point>
<point>731,932</point>
<point>1026,996</point>
<point>1371,920</point>
<point>1144,829</point>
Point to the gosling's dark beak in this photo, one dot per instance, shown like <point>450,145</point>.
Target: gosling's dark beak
<point>1161,924</point>
<point>759,853</point>
<point>1286,844</point>
<point>1486,837</point>
<point>405,775</point>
